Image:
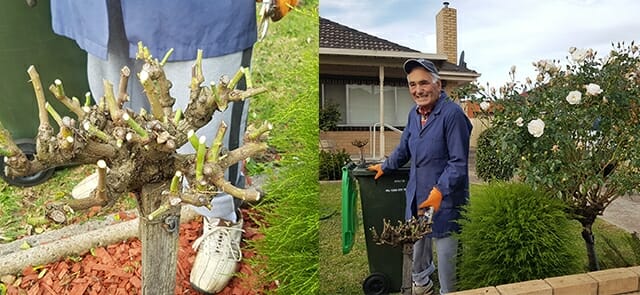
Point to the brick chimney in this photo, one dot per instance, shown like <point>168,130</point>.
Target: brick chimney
<point>447,33</point>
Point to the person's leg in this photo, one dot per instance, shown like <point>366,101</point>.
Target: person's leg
<point>447,250</point>
<point>235,116</point>
<point>422,262</point>
<point>117,57</point>
<point>179,73</point>
<point>218,249</point>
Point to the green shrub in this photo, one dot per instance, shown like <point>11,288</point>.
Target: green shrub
<point>512,233</point>
<point>331,164</point>
<point>329,117</point>
<point>492,163</point>
<point>287,61</point>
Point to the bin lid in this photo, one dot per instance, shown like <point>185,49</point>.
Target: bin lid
<point>361,171</point>
<point>364,172</point>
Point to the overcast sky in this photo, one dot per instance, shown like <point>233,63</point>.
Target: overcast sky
<point>497,34</point>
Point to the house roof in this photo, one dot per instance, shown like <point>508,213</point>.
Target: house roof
<point>340,40</point>
<point>335,35</point>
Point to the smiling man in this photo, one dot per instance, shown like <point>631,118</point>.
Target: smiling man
<point>436,141</point>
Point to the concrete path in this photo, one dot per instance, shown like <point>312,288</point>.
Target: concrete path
<point>624,212</point>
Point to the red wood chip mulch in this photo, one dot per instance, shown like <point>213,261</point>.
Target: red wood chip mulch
<point>115,269</point>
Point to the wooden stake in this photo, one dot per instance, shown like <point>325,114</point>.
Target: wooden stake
<point>159,239</point>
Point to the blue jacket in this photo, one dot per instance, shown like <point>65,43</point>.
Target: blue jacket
<point>439,154</point>
<point>217,27</point>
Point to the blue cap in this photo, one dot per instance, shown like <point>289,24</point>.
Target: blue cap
<point>410,64</point>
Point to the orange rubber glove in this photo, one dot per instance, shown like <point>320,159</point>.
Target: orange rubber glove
<point>434,200</point>
<point>282,8</point>
<point>377,168</point>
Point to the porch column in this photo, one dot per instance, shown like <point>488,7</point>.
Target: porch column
<point>381,74</point>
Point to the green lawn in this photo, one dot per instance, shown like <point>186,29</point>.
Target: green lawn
<point>20,207</point>
<point>343,274</point>
<point>339,274</point>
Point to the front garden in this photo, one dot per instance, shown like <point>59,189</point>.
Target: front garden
<point>561,148</point>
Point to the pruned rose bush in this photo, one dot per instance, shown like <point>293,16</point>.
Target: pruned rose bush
<point>575,128</point>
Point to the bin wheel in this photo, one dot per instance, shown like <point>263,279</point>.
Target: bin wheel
<point>376,284</point>
<point>28,147</point>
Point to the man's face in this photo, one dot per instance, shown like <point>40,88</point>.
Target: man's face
<point>422,88</point>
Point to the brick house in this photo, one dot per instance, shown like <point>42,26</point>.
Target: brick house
<point>360,72</point>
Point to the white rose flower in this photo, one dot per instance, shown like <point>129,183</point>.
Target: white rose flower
<point>536,127</point>
<point>578,55</point>
<point>546,65</point>
<point>593,89</point>
<point>519,122</point>
<point>485,105</point>
<point>574,97</point>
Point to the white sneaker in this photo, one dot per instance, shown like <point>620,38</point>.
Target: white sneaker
<point>218,255</point>
<point>422,290</point>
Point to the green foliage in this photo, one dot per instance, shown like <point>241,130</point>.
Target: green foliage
<point>512,233</point>
<point>287,61</point>
<point>329,117</point>
<point>619,251</point>
<point>331,164</point>
<point>491,162</point>
<point>575,128</point>
<point>255,167</point>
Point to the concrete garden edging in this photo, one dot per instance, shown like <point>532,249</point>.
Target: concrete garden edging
<point>625,280</point>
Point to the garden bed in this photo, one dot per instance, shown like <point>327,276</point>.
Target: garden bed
<point>115,268</point>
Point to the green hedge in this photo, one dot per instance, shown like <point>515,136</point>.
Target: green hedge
<point>492,163</point>
<point>512,233</point>
<point>331,164</point>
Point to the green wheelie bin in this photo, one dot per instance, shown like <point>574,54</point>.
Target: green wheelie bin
<point>380,199</point>
<point>27,38</point>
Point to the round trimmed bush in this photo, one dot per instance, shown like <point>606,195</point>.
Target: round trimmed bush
<point>513,233</point>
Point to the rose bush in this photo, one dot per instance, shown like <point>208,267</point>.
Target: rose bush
<point>576,129</point>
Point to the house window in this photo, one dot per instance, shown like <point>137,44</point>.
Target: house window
<point>359,104</point>
<point>334,94</point>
